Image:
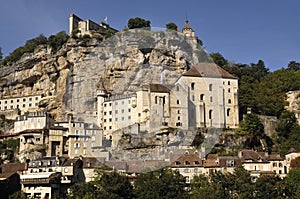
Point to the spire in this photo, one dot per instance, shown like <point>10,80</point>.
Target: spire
<point>187,30</point>
<point>186,25</point>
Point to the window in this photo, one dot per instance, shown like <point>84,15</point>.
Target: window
<point>228,90</point>
<point>110,119</point>
<point>129,110</point>
<point>24,99</point>
<point>116,111</point>
<point>5,102</point>
<point>210,114</point>
<point>110,112</point>
<point>193,97</point>
<point>122,118</point>
<point>18,100</point>
<point>139,114</point>
<point>178,118</point>
<point>11,107</point>
<point>210,87</point>
<point>122,110</point>
<point>104,120</point>
<point>30,99</point>
<point>110,127</point>
<point>110,104</point>
<point>30,104</point>
<point>104,104</point>
<point>104,112</point>
<point>192,86</point>
<point>201,97</point>
<point>229,101</point>
<point>116,119</point>
<point>122,102</point>
<point>228,112</point>
<point>211,99</point>
<point>178,102</point>
<point>116,103</point>
<point>36,98</point>
<point>228,82</point>
<point>187,163</point>
<point>177,88</point>
<point>178,111</point>
<point>129,117</point>
<point>11,101</point>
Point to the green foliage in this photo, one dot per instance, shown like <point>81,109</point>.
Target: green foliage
<point>288,133</point>
<point>56,41</point>
<point>138,23</point>
<point>110,185</point>
<point>164,183</point>
<point>219,59</point>
<point>12,143</point>
<point>74,32</point>
<point>219,185</point>
<point>293,66</point>
<point>269,187</point>
<point>171,26</point>
<point>29,47</point>
<point>109,33</point>
<point>292,183</point>
<point>253,128</point>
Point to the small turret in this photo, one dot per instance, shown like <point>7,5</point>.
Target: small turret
<point>187,30</point>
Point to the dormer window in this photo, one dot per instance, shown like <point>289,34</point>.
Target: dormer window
<point>197,163</point>
<point>177,163</point>
<point>187,163</point>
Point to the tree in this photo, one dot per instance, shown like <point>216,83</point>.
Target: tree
<point>287,122</point>
<point>292,184</point>
<point>138,23</point>
<point>171,26</point>
<point>56,41</point>
<point>219,59</point>
<point>201,187</point>
<point>253,128</point>
<point>109,185</point>
<point>293,65</point>
<point>164,184</point>
<point>269,187</point>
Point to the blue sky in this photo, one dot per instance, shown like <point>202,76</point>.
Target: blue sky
<point>242,31</point>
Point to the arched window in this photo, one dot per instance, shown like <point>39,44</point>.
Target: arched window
<point>228,112</point>
<point>229,101</point>
<point>201,97</point>
<point>210,87</point>
<point>210,114</point>
<point>192,86</point>
<point>177,88</point>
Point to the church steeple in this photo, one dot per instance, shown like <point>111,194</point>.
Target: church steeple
<point>187,30</point>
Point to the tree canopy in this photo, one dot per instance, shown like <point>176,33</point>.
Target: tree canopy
<point>171,26</point>
<point>138,23</point>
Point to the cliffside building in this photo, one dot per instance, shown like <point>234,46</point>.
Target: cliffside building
<point>86,27</point>
<point>204,96</point>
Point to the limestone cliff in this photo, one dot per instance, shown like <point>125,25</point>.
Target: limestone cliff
<point>68,79</point>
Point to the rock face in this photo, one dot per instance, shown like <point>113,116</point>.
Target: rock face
<point>68,80</point>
